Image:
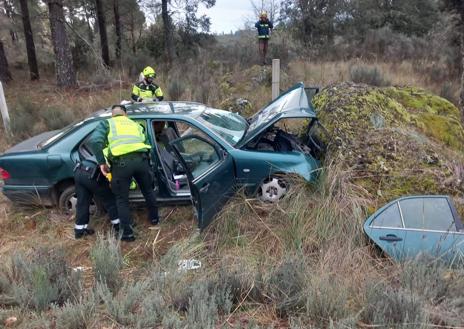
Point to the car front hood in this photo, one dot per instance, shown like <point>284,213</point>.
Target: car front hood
<point>291,104</point>
<point>31,144</point>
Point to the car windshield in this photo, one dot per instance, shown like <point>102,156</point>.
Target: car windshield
<point>230,126</point>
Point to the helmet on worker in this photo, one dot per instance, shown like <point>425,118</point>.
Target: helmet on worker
<point>149,74</point>
<point>263,14</point>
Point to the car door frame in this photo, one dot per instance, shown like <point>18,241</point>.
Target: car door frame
<point>192,181</point>
<point>403,231</point>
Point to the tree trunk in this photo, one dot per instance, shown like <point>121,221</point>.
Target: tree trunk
<point>9,14</point>
<point>461,96</point>
<point>168,39</point>
<point>30,46</point>
<point>5,75</point>
<point>103,35</point>
<point>117,26</point>
<point>64,69</point>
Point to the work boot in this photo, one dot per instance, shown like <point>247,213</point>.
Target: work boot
<point>127,235</point>
<point>154,221</point>
<point>83,232</point>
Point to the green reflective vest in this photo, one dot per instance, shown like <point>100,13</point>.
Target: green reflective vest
<point>125,136</point>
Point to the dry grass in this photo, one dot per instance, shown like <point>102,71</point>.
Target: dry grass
<point>303,263</point>
<point>430,76</point>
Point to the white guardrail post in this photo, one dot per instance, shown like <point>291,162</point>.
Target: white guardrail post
<point>4,111</point>
<point>275,78</point>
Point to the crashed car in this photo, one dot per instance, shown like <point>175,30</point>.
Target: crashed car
<point>199,154</point>
<point>418,225</point>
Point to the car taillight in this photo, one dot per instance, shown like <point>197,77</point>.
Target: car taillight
<point>4,174</point>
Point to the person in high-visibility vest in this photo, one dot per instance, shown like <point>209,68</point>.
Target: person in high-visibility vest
<point>129,155</point>
<point>147,89</point>
<point>90,183</point>
<point>264,27</point>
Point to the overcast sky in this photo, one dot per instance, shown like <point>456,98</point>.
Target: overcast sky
<point>229,15</point>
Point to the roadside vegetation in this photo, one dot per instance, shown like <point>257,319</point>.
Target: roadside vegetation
<point>389,98</point>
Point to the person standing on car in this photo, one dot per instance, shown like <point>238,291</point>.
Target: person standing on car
<point>90,183</point>
<point>128,154</point>
<point>147,89</point>
<point>264,26</point>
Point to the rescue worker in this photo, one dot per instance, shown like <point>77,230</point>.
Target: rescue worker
<point>264,26</point>
<point>129,157</point>
<point>147,89</point>
<point>91,183</point>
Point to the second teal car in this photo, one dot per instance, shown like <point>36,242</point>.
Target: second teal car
<point>200,154</point>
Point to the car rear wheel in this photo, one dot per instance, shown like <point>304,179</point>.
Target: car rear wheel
<point>272,189</point>
<point>67,203</point>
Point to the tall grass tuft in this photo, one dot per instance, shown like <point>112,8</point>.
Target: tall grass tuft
<point>42,278</point>
<point>369,75</point>
<point>76,315</point>
<point>107,261</point>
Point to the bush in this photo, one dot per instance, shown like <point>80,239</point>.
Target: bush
<point>369,75</point>
<point>122,306</point>
<point>41,279</point>
<point>28,118</point>
<point>78,315</point>
<point>202,312</point>
<point>393,307</point>
<point>107,262</point>
<point>286,286</point>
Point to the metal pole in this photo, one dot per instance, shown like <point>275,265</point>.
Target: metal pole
<point>275,78</point>
<point>4,111</point>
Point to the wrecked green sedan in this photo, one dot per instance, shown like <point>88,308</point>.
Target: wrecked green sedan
<point>200,154</point>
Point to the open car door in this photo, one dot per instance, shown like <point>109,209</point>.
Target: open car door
<point>210,173</point>
<point>410,226</point>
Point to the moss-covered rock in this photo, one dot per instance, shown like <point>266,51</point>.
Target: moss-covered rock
<point>399,141</point>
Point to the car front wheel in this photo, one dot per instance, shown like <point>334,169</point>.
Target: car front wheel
<point>67,203</point>
<point>272,189</point>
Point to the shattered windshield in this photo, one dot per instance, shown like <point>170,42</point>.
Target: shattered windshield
<point>230,126</point>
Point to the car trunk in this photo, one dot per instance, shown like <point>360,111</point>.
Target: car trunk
<point>31,144</point>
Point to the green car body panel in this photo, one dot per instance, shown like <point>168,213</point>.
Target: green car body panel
<point>42,166</point>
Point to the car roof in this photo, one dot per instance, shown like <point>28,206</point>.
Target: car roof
<point>154,109</point>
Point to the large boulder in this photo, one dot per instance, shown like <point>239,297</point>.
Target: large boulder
<point>397,140</point>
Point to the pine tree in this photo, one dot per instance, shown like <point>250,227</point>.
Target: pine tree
<point>64,69</point>
<point>30,46</point>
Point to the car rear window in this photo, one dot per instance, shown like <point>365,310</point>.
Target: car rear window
<point>390,217</point>
<point>427,214</point>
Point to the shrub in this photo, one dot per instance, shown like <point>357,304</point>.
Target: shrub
<point>29,118</point>
<point>78,315</point>
<point>107,262</point>
<point>176,88</point>
<point>43,278</point>
<point>286,286</point>
<point>369,75</point>
<point>202,312</point>
<point>389,306</point>
<point>122,306</point>
<point>449,91</point>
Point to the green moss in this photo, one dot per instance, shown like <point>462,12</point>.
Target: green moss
<point>442,128</point>
<point>397,141</point>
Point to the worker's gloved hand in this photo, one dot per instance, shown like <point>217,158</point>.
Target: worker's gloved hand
<point>104,169</point>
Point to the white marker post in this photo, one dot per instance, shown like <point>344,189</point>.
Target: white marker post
<point>275,78</point>
<point>4,111</point>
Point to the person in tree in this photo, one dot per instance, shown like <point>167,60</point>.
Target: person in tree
<point>147,89</point>
<point>264,27</point>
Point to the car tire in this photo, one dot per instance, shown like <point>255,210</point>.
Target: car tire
<point>273,189</point>
<point>67,202</point>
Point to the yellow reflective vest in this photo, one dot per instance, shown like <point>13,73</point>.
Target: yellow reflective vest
<point>125,136</point>
<point>146,91</point>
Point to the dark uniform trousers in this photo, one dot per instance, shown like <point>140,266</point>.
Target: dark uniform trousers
<point>123,168</point>
<point>88,187</point>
